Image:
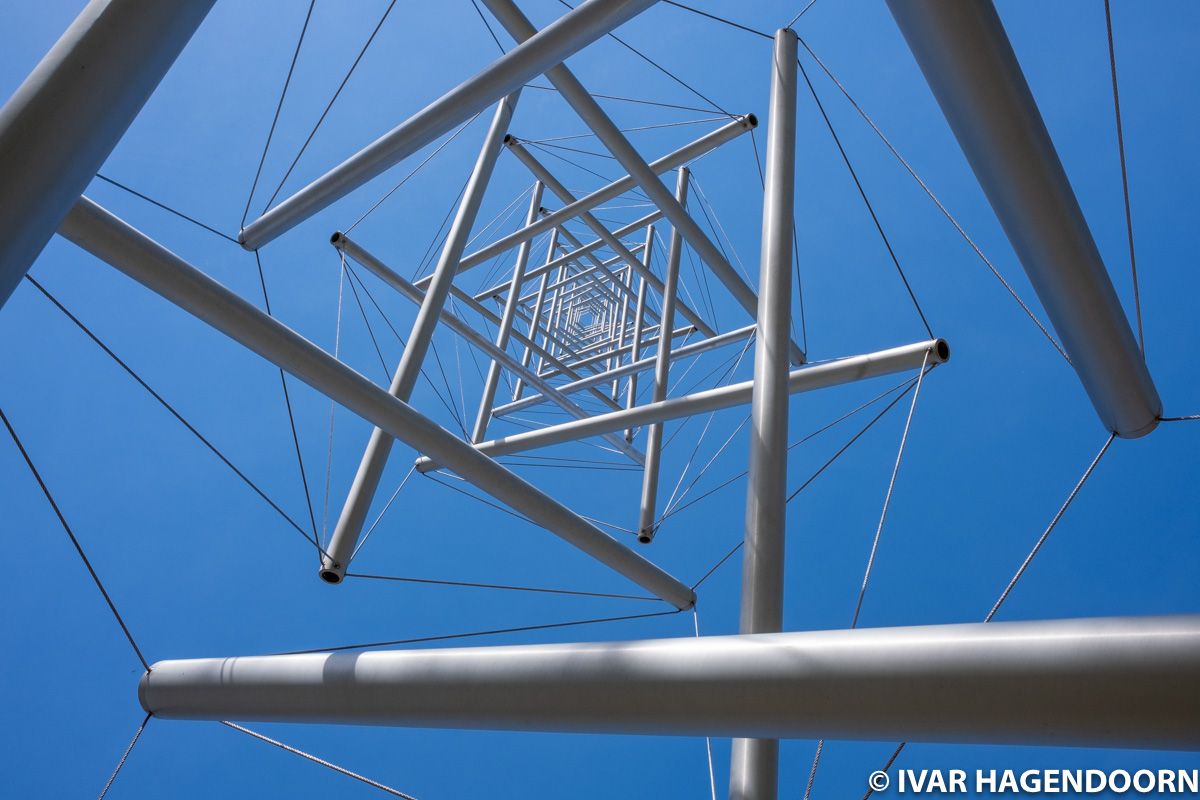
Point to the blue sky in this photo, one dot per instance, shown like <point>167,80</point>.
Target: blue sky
<point>200,566</point>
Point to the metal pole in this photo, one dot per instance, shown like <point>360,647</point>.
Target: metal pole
<point>588,110</point>
<point>683,155</point>
<point>506,320</point>
<point>535,318</point>
<point>970,66</point>
<point>754,765</point>
<point>635,352</point>
<point>374,460</point>
<point>1116,682</point>
<point>564,37</point>
<point>647,509</point>
<point>149,263</point>
<point>810,377</point>
<point>60,125</point>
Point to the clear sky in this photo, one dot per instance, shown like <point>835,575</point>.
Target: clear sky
<point>200,566</point>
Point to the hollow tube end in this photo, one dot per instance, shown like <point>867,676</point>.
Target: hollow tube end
<point>331,572</point>
<point>142,690</point>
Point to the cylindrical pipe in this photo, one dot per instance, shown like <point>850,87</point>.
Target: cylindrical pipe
<point>754,763</point>
<point>149,263</point>
<point>567,35</point>
<point>970,66</point>
<point>60,125</point>
<point>379,445</point>
<point>535,318</point>
<point>1117,682</point>
<point>647,507</point>
<point>815,375</point>
<point>635,351</point>
<point>488,398</point>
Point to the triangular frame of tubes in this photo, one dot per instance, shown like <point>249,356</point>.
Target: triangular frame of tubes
<point>581,324</point>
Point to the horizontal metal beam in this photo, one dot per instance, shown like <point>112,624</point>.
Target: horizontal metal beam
<point>158,269</point>
<point>817,375</point>
<point>1117,682</point>
<point>970,66</point>
<point>565,36</point>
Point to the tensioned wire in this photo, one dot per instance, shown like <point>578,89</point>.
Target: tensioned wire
<point>1041,540</point>
<point>862,592</point>
<point>896,154</point>
<point>820,470</point>
<point>319,761</point>
<point>62,520</point>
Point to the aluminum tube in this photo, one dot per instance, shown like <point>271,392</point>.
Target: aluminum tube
<point>1126,682</point>
<point>970,66</point>
<point>647,508</point>
<point>814,375</point>
<point>588,110</point>
<point>488,399</point>
<point>374,459</point>
<point>635,351</point>
<point>683,155</point>
<point>62,122</point>
<point>358,254</point>
<point>535,319</point>
<point>609,239</point>
<point>567,35</point>
<point>754,763</point>
<point>132,252</point>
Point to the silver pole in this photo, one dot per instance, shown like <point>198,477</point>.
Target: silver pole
<point>754,765</point>
<point>635,352</point>
<point>970,66</point>
<point>812,376</point>
<point>132,252</point>
<point>567,35</point>
<point>62,122</point>
<point>647,509</point>
<point>374,460</point>
<point>1117,682</point>
<point>683,155</point>
<point>535,318</point>
<point>506,320</point>
<point>588,110</point>
<point>473,337</point>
